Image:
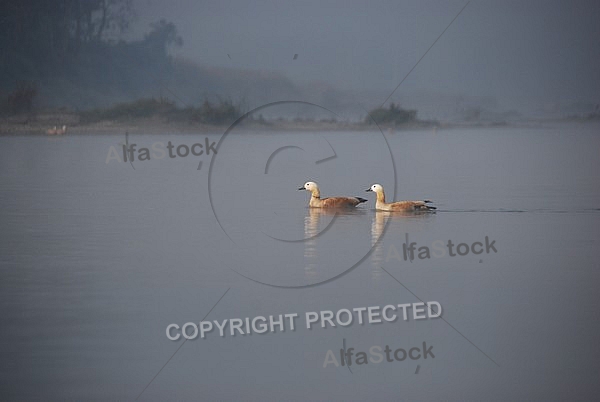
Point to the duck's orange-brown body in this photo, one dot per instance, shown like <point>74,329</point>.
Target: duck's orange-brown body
<point>405,206</point>
<point>330,202</point>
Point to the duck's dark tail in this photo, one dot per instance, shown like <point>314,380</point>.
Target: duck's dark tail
<point>428,207</point>
<point>360,200</point>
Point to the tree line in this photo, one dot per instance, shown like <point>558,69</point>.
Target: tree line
<point>69,52</point>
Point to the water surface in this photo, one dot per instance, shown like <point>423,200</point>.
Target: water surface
<point>98,258</point>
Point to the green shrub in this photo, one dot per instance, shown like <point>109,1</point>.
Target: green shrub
<point>394,115</point>
<point>224,112</point>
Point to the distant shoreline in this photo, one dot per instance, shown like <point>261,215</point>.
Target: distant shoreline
<point>38,124</point>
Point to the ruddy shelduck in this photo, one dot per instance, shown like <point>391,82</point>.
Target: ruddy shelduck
<point>62,130</point>
<point>330,202</point>
<point>405,206</point>
<point>57,131</point>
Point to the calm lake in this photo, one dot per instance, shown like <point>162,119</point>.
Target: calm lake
<point>98,256</point>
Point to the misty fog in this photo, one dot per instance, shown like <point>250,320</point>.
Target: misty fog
<point>508,59</point>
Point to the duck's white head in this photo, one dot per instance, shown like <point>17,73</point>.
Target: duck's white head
<point>310,186</point>
<point>377,188</point>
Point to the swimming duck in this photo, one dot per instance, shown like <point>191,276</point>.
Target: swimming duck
<point>330,202</point>
<point>381,205</point>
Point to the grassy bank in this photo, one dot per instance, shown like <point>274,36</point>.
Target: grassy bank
<point>161,114</point>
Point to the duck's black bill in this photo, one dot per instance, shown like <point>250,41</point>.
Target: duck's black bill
<point>301,188</point>
<point>367,190</point>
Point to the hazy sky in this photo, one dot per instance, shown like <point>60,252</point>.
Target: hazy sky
<point>514,50</point>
